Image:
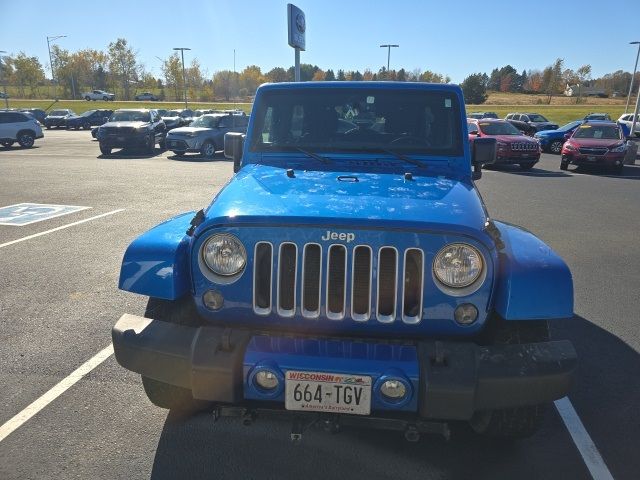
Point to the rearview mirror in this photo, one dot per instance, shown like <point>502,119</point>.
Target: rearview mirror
<point>233,146</point>
<point>484,151</point>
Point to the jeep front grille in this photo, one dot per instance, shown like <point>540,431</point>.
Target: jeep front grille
<point>359,283</point>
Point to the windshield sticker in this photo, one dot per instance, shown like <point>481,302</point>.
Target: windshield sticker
<point>447,103</point>
<point>371,99</point>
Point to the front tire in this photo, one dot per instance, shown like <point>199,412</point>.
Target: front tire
<point>164,395</point>
<point>517,422</point>
<point>564,164</point>
<point>87,126</point>
<point>556,147</point>
<point>7,144</point>
<point>151,144</point>
<point>26,139</point>
<point>208,149</point>
<point>105,150</point>
<point>87,98</point>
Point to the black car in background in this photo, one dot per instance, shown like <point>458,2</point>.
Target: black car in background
<point>88,119</point>
<point>36,113</point>
<point>131,128</point>
<point>530,123</point>
<point>481,115</point>
<point>58,118</point>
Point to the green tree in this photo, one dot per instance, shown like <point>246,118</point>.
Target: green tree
<point>123,64</point>
<point>225,84</point>
<point>329,76</point>
<point>26,72</point>
<point>340,76</point>
<point>473,89</point>
<point>172,72</point>
<point>276,75</point>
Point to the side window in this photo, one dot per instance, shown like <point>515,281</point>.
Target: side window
<point>516,117</point>
<point>472,127</point>
<point>524,118</point>
<point>509,117</point>
<point>15,117</point>
<point>4,117</point>
<point>297,121</point>
<point>225,122</point>
<point>266,128</point>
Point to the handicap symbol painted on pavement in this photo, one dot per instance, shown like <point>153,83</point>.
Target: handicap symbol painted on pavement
<point>26,213</point>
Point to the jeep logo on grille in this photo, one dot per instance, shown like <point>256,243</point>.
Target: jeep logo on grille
<point>345,237</point>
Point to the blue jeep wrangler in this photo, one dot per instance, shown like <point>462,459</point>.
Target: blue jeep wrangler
<point>349,274</point>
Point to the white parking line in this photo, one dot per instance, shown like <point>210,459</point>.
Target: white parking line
<point>60,228</point>
<point>590,454</point>
<point>18,420</point>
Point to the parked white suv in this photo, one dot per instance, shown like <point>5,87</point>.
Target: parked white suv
<point>18,127</point>
<point>98,95</point>
<point>627,119</point>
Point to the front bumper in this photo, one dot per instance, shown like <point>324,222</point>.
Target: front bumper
<point>454,379</point>
<point>55,123</point>
<point>512,158</point>
<point>182,144</point>
<point>608,159</point>
<point>126,140</point>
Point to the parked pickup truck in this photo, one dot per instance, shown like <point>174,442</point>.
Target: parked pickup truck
<point>351,276</point>
<point>99,95</point>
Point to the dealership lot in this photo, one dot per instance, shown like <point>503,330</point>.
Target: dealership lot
<point>58,279</point>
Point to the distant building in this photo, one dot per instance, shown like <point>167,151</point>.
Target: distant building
<point>584,91</point>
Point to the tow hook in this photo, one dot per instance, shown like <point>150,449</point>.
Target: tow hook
<point>297,429</point>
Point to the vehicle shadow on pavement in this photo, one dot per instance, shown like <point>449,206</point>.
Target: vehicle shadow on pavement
<point>630,172</point>
<point>534,172</point>
<point>606,396</point>
<point>16,148</point>
<point>197,158</point>
<point>606,392</point>
<point>131,155</point>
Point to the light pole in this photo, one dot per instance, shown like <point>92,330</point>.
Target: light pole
<point>184,76</point>
<point>632,76</point>
<point>4,82</point>
<point>389,47</point>
<point>53,75</point>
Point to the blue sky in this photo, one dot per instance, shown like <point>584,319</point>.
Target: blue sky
<point>443,36</point>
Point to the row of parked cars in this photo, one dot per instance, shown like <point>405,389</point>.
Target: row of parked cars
<point>593,140</point>
<point>144,128</point>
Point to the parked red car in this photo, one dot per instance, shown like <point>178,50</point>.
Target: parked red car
<point>595,143</point>
<point>513,146</point>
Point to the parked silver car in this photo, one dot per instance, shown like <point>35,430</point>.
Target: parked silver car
<point>206,134</point>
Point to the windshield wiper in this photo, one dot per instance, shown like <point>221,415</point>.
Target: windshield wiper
<point>315,156</point>
<point>404,158</point>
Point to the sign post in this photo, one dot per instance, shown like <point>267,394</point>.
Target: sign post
<point>297,26</point>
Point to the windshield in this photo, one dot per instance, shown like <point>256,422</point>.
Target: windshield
<point>409,121</point>
<point>597,116</point>
<point>534,117</point>
<point>171,113</point>
<point>206,122</point>
<point>498,128</point>
<point>59,113</point>
<point>162,112</point>
<point>88,113</point>
<point>569,126</point>
<point>606,132</point>
<point>130,116</point>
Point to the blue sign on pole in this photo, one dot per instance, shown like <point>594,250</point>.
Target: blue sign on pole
<point>26,213</point>
<point>297,27</point>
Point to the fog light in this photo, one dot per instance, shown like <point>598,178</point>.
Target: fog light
<point>393,389</point>
<point>466,314</point>
<point>266,379</point>
<point>213,299</point>
<point>617,162</point>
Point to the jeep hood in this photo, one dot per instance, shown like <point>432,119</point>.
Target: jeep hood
<point>266,194</point>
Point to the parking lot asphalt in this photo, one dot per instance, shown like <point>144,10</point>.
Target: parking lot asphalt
<point>59,300</point>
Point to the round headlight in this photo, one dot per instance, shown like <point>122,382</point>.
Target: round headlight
<point>266,379</point>
<point>458,265</point>
<point>224,254</point>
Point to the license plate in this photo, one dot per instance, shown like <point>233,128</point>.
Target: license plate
<point>173,144</point>
<point>592,159</point>
<point>121,139</point>
<point>328,392</point>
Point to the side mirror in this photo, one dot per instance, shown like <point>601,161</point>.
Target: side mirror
<point>233,146</point>
<point>484,151</point>
<point>567,136</point>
